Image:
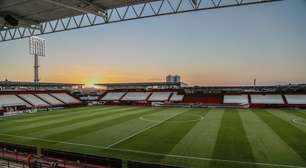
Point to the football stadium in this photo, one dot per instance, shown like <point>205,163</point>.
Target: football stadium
<point>164,123</point>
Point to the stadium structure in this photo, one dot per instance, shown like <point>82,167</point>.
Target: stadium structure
<point>177,94</point>
<point>145,124</point>
<point>51,106</point>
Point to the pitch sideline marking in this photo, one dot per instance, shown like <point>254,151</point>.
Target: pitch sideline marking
<point>208,159</point>
<point>299,121</point>
<point>140,131</point>
<point>156,154</point>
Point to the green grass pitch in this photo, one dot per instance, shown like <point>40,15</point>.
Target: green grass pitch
<point>188,137</point>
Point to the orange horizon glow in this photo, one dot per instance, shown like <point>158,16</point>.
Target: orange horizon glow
<point>90,81</point>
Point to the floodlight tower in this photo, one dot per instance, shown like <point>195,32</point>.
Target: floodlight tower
<point>37,48</point>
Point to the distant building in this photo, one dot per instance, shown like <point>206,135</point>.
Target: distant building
<point>173,79</point>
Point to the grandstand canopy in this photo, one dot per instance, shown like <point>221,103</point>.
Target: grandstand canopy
<point>38,11</point>
<point>291,88</point>
<point>25,18</point>
<point>145,85</point>
<point>40,84</point>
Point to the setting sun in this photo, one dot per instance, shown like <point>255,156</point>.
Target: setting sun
<point>91,83</point>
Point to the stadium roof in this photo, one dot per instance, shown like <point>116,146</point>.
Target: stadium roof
<point>250,86</point>
<point>40,84</point>
<point>292,88</point>
<point>25,18</point>
<point>143,84</point>
<point>37,11</point>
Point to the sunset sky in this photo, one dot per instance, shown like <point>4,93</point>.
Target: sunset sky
<point>229,46</point>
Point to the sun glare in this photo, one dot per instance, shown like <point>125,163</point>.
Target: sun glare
<point>90,83</point>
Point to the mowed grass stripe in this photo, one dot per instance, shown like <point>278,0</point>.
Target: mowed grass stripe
<point>121,131</point>
<point>198,142</point>
<point>50,116</point>
<point>296,112</point>
<point>113,133</point>
<point>71,131</point>
<point>85,116</point>
<point>163,137</point>
<point>43,113</point>
<point>100,123</point>
<point>232,142</point>
<point>266,145</point>
<point>39,117</point>
<point>293,136</point>
<point>18,119</point>
<point>31,125</point>
<point>292,119</point>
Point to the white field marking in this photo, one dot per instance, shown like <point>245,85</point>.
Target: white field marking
<point>207,159</point>
<point>184,121</point>
<point>140,131</point>
<point>156,154</point>
<point>299,121</point>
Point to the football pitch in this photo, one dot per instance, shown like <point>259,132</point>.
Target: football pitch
<point>187,137</point>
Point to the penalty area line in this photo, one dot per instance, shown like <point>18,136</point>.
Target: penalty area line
<point>155,153</point>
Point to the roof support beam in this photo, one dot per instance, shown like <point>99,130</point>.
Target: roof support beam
<point>85,6</point>
<point>115,15</point>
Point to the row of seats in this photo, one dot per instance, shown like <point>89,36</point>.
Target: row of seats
<point>37,100</point>
<point>12,100</point>
<point>236,99</point>
<point>176,97</point>
<point>296,99</point>
<point>113,96</point>
<point>227,99</point>
<point>34,100</point>
<point>160,96</point>
<point>51,100</point>
<point>136,96</point>
<point>142,96</point>
<point>265,99</point>
<point>66,98</point>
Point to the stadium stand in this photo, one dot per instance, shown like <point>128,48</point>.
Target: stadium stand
<point>9,164</point>
<point>112,96</point>
<point>20,148</point>
<point>175,97</point>
<point>296,99</point>
<point>11,100</point>
<point>51,100</point>
<point>35,101</point>
<point>90,160</point>
<point>67,99</point>
<point>235,99</point>
<point>164,93</point>
<point>267,99</point>
<point>204,98</point>
<point>160,96</point>
<point>1,111</point>
<point>136,96</point>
